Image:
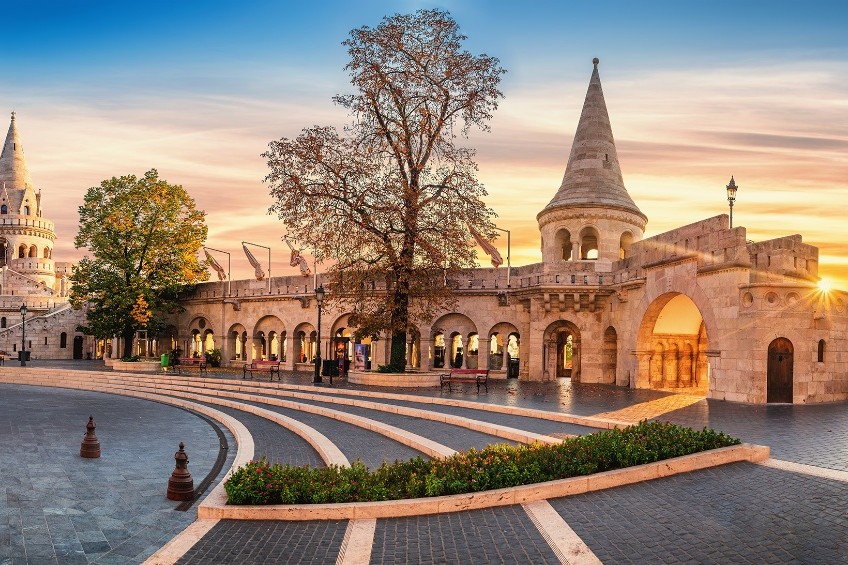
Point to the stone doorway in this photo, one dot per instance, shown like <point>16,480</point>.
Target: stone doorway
<point>562,351</point>
<point>780,365</point>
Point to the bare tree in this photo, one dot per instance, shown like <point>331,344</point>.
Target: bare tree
<point>391,199</point>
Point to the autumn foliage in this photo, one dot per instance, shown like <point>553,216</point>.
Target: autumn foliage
<point>143,235</point>
<point>391,198</point>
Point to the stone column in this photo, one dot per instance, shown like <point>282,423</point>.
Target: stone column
<point>288,364</point>
<point>427,348</point>
<point>670,377</point>
<point>575,251</point>
<point>482,353</point>
<point>642,379</point>
<point>409,341</point>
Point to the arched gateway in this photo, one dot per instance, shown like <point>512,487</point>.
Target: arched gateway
<point>672,346</point>
<point>562,351</point>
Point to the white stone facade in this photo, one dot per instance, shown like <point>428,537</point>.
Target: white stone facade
<point>28,273</point>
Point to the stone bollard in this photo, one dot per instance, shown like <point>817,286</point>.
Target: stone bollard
<point>90,446</point>
<point>181,485</point>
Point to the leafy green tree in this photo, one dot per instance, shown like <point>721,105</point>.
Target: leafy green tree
<point>394,197</point>
<point>144,235</point>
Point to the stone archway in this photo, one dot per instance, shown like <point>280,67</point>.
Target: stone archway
<point>672,346</point>
<point>450,335</point>
<point>561,351</point>
<point>779,386</point>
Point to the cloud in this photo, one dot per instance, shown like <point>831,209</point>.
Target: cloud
<point>780,127</point>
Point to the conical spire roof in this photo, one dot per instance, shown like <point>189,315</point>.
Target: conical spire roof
<point>13,169</point>
<point>593,176</point>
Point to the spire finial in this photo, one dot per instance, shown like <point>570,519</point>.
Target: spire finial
<point>13,115</point>
<point>595,61</point>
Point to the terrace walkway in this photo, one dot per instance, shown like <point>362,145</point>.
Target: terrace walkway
<point>60,508</point>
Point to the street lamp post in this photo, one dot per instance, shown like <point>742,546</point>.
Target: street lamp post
<point>731,197</point>
<point>319,296</point>
<point>23,334</point>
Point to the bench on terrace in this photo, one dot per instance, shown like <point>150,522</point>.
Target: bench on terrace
<point>189,362</point>
<point>474,376</point>
<point>260,366</point>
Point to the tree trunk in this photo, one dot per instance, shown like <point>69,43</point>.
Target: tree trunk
<point>128,334</point>
<point>398,358</point>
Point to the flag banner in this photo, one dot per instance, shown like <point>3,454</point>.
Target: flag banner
<point>260,274</point>
<point>297,260</point>
<point>490,249</point>
<point>215,265</point>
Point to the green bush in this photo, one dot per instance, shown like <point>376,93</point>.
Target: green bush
<point>495,466</point>
<point>214,357</point>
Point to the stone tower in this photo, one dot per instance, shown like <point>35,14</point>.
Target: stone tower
<point>591,217</point>
<point>26,238</point>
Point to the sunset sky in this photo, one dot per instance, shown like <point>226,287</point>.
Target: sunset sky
<point>697,92</point>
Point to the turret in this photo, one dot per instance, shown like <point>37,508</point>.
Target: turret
<point>591,217</point>
<point>26,239</point>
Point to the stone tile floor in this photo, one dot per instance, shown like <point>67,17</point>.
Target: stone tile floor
<point>58,508</point>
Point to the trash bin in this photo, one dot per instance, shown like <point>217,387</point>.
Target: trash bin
<point>329,367</point>
<point>512,369</point>
<point>21,355</point>
<point>164,360</point>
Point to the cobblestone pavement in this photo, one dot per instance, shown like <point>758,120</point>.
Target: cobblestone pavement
<point>494,535</point>
<point>811,434</point>
<point>260,542</point>
<point>740,513</point>
<point>56,507</point>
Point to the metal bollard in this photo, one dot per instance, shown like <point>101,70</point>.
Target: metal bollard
<point>90,446</point>
<point>181,485</point>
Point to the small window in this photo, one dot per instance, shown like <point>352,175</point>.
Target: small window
<point>63,340</point>
<point>4,209</point>
<point>26,210</point>
<point>821,351</point>
<point>3,322</point>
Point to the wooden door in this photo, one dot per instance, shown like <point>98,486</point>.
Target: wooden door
<point>780,362</point>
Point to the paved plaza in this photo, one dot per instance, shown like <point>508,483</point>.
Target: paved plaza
<point>56,507</point>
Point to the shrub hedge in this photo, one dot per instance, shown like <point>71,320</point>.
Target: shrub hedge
<point>496,466</point>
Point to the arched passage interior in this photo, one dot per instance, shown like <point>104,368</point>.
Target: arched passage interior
<point>561,351</point>
<point>673,346</point>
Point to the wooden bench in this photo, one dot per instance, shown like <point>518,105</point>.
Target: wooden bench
<point>189,362</point>
<point>474,376</point>
<point>260,366</point>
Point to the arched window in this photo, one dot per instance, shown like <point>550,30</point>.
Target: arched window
<point>63,340</point>
<point>624,245</point>
<point>26,210</point>
<point>821,351</point>
<point>22,250</point>
<point>4,209</point>
<point>563,242</point>
<point>3,322</point>
<point>47,253</point>
<point>588,244</point>
<point>33,251</point>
